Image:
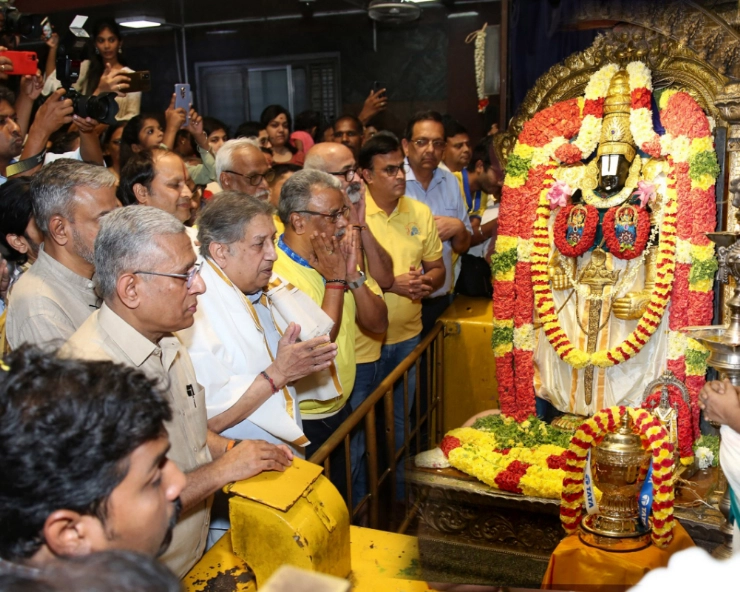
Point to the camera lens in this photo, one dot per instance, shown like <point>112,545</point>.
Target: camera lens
<point>102,107</point>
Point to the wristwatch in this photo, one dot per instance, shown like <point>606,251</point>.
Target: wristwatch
<point>358,282</point>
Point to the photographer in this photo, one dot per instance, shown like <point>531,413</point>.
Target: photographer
<point>105,71</point>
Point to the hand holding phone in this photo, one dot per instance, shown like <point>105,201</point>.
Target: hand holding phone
<point>139,81</point>
<point>183,100</point>
<point>22,63</point>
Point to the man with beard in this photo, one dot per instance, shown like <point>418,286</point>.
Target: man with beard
<point>241,166</point>
<point>319,254</point>
<point>149,278</point>
<point>100,480</point>
<point>55,296</point>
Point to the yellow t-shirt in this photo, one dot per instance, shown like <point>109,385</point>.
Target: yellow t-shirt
<point>367,345</point>
<point>473,212</point>
<point>279,226</point>
<point>410,236</point>
<point>309,280</point>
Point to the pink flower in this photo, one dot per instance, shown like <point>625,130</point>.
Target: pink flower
<point>559,194</point>
<point>645,193</point>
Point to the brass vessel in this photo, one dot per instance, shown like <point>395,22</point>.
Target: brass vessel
<point>616,466</point>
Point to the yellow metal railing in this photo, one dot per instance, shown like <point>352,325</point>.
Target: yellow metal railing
<point>424,433</point>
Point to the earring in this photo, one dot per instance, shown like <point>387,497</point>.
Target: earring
<point>120,49</point>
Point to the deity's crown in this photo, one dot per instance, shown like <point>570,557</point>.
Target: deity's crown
<point>616,137</point>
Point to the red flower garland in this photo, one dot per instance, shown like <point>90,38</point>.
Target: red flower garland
<point>561,119</point>
<point>508,479</point>
<point>568,154</point>
<point>610,234</point>
<point>560,231</point>
<point>684,116</point>
<point>640,97</point>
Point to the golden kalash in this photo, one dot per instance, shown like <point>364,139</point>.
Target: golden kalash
<point>299,518</point>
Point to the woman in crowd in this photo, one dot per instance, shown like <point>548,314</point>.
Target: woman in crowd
<point>105,71</point>
<point>216,132</point>
<point>306,125</point>
<point>186,148</point>
<point>111,143</point>
<point>276,120</point>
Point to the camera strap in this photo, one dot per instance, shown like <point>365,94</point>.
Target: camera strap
<point>25,165</point>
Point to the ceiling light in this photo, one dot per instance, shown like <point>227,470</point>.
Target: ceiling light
<point>140,22</point>
<point>462,14</point>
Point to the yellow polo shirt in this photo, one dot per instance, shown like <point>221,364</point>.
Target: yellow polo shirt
<point>309,280</point>
<point>410,236</point>
<point>367,345</point>
<point>279,226</point>
<point>472,210</point>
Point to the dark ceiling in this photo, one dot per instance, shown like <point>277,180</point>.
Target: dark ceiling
<point>199,11</point>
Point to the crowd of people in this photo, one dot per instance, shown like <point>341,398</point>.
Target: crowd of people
<point>184,306</point>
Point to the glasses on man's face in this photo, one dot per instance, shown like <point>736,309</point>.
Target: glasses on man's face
<point>393,170</point>
<point>348,175</point>
<point>189,277</point>
<point>424,142</point>
<point>256,178</point>
<point>332,216</point>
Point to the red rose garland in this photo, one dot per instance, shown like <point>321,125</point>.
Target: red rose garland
<point>612,241</point>
<point>560,231</point>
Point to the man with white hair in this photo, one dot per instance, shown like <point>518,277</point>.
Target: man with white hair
<point>148,275</point>
<point>241,166</point>
<point>55,296</point>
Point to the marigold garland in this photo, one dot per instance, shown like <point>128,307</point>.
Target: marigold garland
<point>654,438</point>
<point>685,435</point>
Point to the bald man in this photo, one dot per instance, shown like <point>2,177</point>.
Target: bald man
<point>338,160</point>
<point>241,166</point>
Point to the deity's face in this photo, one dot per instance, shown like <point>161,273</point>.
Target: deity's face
<point>613,172</point>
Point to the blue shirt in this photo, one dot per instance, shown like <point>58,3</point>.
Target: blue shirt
<point>444,199</point>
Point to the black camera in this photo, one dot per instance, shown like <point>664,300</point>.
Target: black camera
<point>14,22</point>
<point>102,107</point>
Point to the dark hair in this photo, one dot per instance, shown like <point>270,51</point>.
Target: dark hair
<point>138,169</point>
<point>183,133</point>
<point>380,143</point>
<point>270,113</point>
<point>353,119</point>
<point>97,67</point>
<point>421,116</point>
<point>285,167</point>
<point>25,583</point>
<point>7,95</point>
<point>112,571</point>
<point>131,131</point>
<point>305,120</point>
<point>110,130</point>
<point>211,124</point>
<point>452,127</point>
<point>482,151</point>
<point>67,428</point>
<point>249,129</point>
<point>62,140</point>
<point>16,211</point>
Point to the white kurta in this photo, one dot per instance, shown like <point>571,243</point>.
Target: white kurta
<point>229,349</point>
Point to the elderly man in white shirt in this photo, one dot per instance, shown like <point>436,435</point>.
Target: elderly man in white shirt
<point>246,364</point>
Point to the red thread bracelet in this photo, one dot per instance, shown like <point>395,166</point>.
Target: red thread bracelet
<point>272,384</point>
<point>336,287</point>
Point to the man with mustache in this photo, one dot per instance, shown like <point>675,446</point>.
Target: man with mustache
<point>148,275</point>
<point>100,480</point>
<point>55,296</point>
<point>348,132</point>
<point>319,254</point>
<point>241,166</point>
<point>424,144</point>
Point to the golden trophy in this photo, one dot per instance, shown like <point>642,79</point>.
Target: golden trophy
<point>618,466</point>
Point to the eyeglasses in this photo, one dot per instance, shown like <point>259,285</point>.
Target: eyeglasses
<point>348,175</point>
<point>189,277</point>
<point>392,170</point>
<point>424,142</point>
<point>344,212</point>
<point>256,178</point>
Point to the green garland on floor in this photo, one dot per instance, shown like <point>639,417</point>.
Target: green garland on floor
<point>528,434</point>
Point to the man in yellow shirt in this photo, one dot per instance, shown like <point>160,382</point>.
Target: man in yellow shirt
<point>405,227</point>
<point>318,254</point>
